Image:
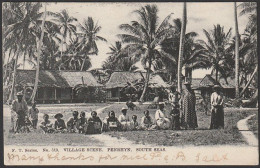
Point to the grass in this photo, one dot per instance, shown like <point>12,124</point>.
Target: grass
<point>228,136</point>
<point>253,124</point>
<point>36,137</point>
<point>202,136</point>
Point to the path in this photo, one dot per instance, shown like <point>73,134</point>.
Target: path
<point>247,134</point>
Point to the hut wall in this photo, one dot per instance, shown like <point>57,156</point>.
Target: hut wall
<point>65,94</point>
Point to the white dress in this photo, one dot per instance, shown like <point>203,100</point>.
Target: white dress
<point>161,121</point>
<point>125,122</point>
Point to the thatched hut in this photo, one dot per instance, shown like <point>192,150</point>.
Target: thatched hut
<point>54,86</point>
<point>119,80</point>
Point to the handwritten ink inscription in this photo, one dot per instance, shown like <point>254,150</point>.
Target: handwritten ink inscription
<point>105,155</point>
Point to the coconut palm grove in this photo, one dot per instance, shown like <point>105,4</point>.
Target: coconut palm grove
<point>159,75</point>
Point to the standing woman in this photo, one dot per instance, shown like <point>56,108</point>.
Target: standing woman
<point>188,101</point>
<point>217,110</point>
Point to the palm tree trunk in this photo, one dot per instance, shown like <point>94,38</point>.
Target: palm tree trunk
<point>250,80</point>
<point>236,52</point>
<point>83,63</point>
<point>181,48</point>
<point>217,74</point>
<point>146,81</point>
<point>38,59</point>
<point>11,95</point>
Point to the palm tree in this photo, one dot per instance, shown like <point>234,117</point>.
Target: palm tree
<point>23,30</point>
<point>65,22</point>
<point>216,49</point>
<point>181,49</point>
<point>144,38</point>
<point>38,57</point>
<point>236,52</point>
<point>192,56</point>
<point>89,34</point>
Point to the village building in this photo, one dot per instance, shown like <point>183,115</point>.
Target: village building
<point>56,86</point>
<point>120,80</point>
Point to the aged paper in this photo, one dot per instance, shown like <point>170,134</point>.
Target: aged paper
<point>95,58</point>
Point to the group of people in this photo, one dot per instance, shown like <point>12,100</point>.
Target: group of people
<point>182,115</point>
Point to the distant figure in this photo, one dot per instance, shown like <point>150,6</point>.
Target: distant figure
<point>72,124</point>
<point>94,124</point>
<point>46,125</point>
<point>134,124</point>
<point>175,114</point>
<point>112,122</point>
<point>146,121</point>
<point>130,105</point>
<point>124,120</point>
<point>19,110</point>
<point>82,121</point>
<point>59,124</point>
<point>33,114</point>
<point>217,110</point>
<point>188,101</point>
<point>161,121</point>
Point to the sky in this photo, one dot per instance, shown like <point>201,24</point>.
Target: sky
<point>110,15</point>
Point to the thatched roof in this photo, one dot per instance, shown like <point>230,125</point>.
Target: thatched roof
<point>120,79</point>
<point>209,81</point>
<point>51,78</point>
<point>195,83</point>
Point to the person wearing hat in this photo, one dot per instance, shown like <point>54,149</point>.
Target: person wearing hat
<point>72,123</point>
<point>188,101</point>
<point>59,124</point>
<point>217,111</point>
<point>161,121</point>
<point>19,110</point>
<point>94,124</point>
<point>46,125</point>
<point>124,120</point>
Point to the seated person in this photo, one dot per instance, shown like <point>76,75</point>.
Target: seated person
<point>134,124</point>
<point>82,122</point>
<point>46,125</point>
<point>161,121</point>
<point>59,124</point>
<point>27,125</point>
<point>94,124</point>
<point>146,121</point>
<point>175,114</point>
<point>124,120</point>
<point>72,124</point>
<point>112,122</point>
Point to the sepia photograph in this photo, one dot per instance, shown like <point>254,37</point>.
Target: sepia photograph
<point>130,83</point>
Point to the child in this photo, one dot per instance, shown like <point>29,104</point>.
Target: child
<point>175,113</point>
<point>124,120</point>
<point>27,125</point>
<point>82,122</point>
<point>33,113</point>
<point>59,124</point>
<point>134,124</point>
<point>72,124</point>
<point>112,122</point>
<point>46,125</point>
<point>146,121</point>
<point>94,124</point>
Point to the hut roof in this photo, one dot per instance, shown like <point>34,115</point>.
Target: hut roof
<point>209,81</point>
<point>120,79</point>
<point>51,78</point>
<point>195,83</point>
<point>75,78</point>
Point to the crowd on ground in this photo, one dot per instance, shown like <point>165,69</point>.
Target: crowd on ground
<point>182,116</point>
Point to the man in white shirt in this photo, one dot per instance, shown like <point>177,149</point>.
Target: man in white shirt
<point>124,119</point>
<point>217,111</point>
